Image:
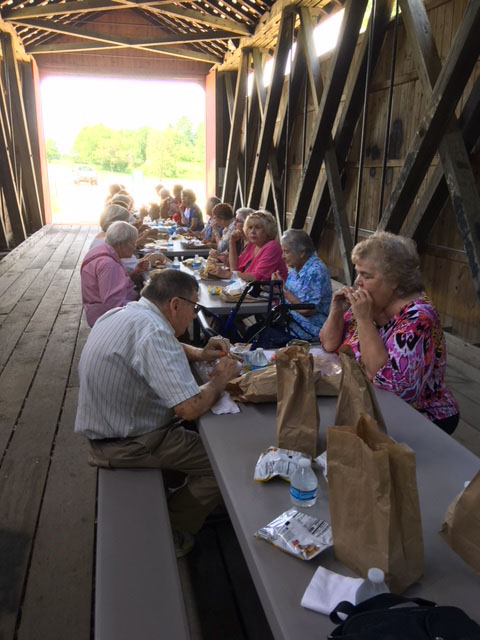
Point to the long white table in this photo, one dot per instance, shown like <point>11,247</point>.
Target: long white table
<point>234,442</point>
<point>174,249</point>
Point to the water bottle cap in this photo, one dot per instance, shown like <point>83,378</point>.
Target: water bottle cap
<point>304,462</point>
<point>376,575</point>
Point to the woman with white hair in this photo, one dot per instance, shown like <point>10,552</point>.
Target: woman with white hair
<point>308,281</point>
<point>392,327</point>
<point>105,282</point>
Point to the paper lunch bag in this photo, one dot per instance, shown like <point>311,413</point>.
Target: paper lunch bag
<point>356,393</point>
<point>373,502</point>
<point>461,526</point>
<point>297,411</point>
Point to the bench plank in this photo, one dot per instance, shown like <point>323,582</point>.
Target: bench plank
<point>137,592</point>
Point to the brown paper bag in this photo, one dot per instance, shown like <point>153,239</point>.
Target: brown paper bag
<point>461,526</point>
<point>261,385</point>
<point>373,501</point>
<point>255,386</point>
<point>297,411</point>
<point>356,393</point>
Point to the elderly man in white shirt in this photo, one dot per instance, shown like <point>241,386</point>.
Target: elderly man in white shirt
<point>136,385</point>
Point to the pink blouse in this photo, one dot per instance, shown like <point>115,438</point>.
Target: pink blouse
<point>267,260</point>
<point>105,283</point>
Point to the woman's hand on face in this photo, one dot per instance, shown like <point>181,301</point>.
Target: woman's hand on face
<point>340,299</point>
<point>362,304</point>
<point>236,236</point>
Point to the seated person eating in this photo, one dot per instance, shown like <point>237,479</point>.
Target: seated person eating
<point>104,280</point>
<point>307,281</point>
<point>392,327</point>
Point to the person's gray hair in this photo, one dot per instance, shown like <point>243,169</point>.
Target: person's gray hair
<point>395,258</point>
<point>120,233</point>
<point>112,213</point>
<point>298,241</point>
<point>163,285</point>
<point>123,200</point>
<point>267,221</point>
<point>244,212</point>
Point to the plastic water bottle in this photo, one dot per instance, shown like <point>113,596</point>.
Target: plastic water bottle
<point>176,263</point>
<point>196,262</point>
<point>258,359</point>
<point>233,277</point>
<point>303,485</point>
<point>371,586</point>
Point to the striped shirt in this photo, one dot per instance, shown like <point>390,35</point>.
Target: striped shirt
<point>133,371</point>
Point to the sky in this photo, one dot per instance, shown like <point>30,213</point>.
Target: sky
<point>70,103</point>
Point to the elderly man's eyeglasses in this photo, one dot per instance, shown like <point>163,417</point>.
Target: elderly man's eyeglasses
<point>196,307</point>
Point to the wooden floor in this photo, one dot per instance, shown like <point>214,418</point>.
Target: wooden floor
<point>47,490</point>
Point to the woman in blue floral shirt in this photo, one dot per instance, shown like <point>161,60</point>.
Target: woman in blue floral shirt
<point>307,281</point>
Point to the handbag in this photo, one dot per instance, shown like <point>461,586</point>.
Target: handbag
<point>392,617</point>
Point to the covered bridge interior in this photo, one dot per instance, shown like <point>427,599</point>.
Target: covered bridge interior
<point>380,132</point>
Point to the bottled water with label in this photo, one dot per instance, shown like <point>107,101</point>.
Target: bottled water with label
<point>233,277</point>
<point>196,262</point>
<point>176,263</point>
<point>371,586</point>
<point>303,485</point>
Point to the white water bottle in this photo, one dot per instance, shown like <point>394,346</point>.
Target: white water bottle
<point>233,277</point>
<point>371,586</point>
<point>176,263</point>
<point>303,485</point>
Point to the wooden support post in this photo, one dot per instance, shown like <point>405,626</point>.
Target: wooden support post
<point>21,137</point>
<point>234,141</point>
<point>342,227</point>
<point>420,222</point>
<point>351,111</point>
<point>265,140</point>
<point>439,128</point>
<point>275,182</point>
<point>7,177</point>
<point>337,74</point>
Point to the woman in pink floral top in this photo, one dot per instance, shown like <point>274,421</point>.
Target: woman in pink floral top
<point>393,328</point>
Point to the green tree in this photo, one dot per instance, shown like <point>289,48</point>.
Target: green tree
<point>51,150</point>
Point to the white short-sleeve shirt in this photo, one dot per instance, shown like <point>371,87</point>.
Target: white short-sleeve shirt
<point>133,371</point>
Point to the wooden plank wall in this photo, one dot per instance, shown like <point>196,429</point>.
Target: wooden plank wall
<point>447,274</point>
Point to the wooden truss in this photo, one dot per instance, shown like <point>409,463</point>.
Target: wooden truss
<point>20,174</point>
<point>319,193</point>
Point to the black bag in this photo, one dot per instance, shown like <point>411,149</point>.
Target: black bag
<point>381,618</point>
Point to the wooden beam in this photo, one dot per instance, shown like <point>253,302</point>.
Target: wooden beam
<point>80,32</point>
<point>21,137</point>
<point>265,140</point>
<point>231,167</point>
<point>7,175</point>
<point>204,18</point>
<point>75,8</point>
<point>352,108</point>
<point>69,47</point>
<point>438,130</point>
<point>337,74</point>
<point>344,236</point>
<point>421,221</point>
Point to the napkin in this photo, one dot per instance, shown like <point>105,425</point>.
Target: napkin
<point>225,405</point>
<point>327,589</point>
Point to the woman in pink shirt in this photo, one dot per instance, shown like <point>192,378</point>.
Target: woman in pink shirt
<point>262,254</point>
<point>105,282</point>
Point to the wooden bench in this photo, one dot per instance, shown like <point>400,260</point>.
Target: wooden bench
<point>138,592</point>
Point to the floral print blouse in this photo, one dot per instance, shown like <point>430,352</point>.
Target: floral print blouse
<point>415,369</point>
<point>311,284</point>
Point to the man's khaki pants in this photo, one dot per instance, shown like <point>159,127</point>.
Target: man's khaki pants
<point>171,447</point>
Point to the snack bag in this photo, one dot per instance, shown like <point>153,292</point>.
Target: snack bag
<point>298,533</point>
<point>277,462</point>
